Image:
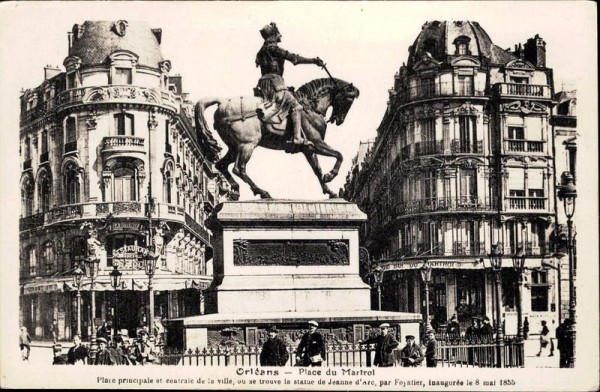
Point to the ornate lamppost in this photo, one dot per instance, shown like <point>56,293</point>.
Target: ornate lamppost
<point>377,274</point>
<point>426,277</point>
<point>150,269</point>
<point>518,260</point>
<point>567,194</point>
<point>77,281</point>
<point>115,282</point>
<point>495,258</point>
<point>91,271</point>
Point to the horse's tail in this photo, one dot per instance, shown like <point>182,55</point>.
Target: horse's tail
<point>202,129</point>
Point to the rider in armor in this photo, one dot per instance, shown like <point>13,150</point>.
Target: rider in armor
<point>271,87</point>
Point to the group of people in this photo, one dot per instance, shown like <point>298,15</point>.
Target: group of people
<point>121,351</point>
<point>311,350</point>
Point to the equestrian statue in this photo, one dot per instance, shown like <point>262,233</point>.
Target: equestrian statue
<point>277,117</point>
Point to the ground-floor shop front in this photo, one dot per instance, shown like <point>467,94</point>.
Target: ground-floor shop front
<point>52,305</point>
<point>469,292</point>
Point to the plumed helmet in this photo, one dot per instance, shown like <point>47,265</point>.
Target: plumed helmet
<point>269,30</point>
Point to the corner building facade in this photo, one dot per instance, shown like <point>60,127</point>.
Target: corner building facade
<point>463,160</point>
<point>108,144</point>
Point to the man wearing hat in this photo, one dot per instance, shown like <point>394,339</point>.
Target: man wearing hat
<point>431,350</point>
<point>271,59</point>
<point>385,343</point>
<point>486,331</point>
<point>453,328</point>
<point>103,356</point>
<point>311,350</point>
<point>145,351</point>
<point>274,352</point>
<point>411,353</point>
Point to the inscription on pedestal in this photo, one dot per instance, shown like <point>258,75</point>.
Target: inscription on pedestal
<point>290,252</point>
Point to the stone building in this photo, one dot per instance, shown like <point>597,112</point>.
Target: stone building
<point>103,142</point>
<point>564,122</point>
<point>463,160</point>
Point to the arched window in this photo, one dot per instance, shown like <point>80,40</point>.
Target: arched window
<point>168,180</point>
<point>44,192</point>
<point>125,188</point>
<point>72,185</point>
<point>27,197</point>
<point>462,45</point>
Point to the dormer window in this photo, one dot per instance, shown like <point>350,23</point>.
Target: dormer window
<point>462,45</point>
<point>123,65</point>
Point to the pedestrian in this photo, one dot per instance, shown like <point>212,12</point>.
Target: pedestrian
<point>54,331</point>
<point>411,354</point>
<point>104,356</point>
<point>453,328</point>
<point>552,330</point>
<point>311,350</point>
<point>145,351</point>
<point>526,328</point>
<point>486,331</point>
<point>274,351</point>
<point>24,344</point>
<point>560,342</point>
<point>113,349</point>
<point>431,350</point>
<point>78,354</point>
<point>103,331</point>
<point>472,335</point>
<point>544,338</point>
<point>385,343</point>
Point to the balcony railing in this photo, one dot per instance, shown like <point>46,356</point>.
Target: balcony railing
<point>430,147</point>
<point>524,146</point>
<point>445,89</point>
<point>468,249</point>
<point>461,147</point>
<point>526,203</point>
<point>123,144</point>
<point>114,93</point>
<point>523,90</point>
<point>31,222</point>
<point>71,146</point>
<point>27,164</point>
<point>66,212</point>
<point>461,203</point>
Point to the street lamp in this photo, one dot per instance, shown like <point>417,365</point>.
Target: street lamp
<point>426,277</point>
<point>77,280</point>
<point>567,194</point>
<point>518,260</point>
<point>495,258</point>
<point>150,269</point>
<point>115,282</point>
<point>377,280</point>
<point>91,271</point>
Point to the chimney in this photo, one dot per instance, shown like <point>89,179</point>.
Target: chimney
<point>535,51</point>
<point>175,84</point>
<point>50,72</point>
<point>70,37</point>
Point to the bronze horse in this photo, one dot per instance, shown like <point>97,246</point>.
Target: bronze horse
<point>237,123</point>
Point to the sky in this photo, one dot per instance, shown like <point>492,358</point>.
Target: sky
<point>213,46</point>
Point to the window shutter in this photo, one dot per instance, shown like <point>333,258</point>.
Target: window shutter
<point>535,179</point>
<point>516,179</point>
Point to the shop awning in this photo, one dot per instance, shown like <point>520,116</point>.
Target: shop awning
<point>141,284</point>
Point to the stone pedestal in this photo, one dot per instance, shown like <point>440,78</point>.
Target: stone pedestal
<point>281,262</point>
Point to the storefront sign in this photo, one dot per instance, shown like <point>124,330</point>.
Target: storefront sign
<point>35,288</point>
<point>417,264</point>
<point>130,257</point>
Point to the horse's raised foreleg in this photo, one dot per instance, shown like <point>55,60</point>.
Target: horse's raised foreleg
<point>223,167</point>
<point>239,169</point>
<point>322,148</point>
<point>314,164</point>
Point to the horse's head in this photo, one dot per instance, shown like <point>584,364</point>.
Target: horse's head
<point>344,95</point>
